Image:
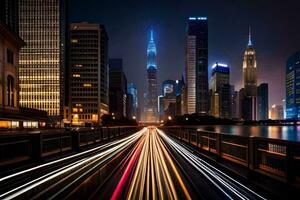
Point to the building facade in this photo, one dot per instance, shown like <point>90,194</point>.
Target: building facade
<point>9,14</point>
<point>117,88</point>
<point>263,101</point>
<point>132,90</point>
<point>197,65</point>
<point>151,107</point>
<point>276,112</point>
<point>10,44</point>
<point>86,105</point>
<point>292,86</point>
<point>42,60</point>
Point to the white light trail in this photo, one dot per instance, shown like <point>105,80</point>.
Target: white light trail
<point>222,181</point>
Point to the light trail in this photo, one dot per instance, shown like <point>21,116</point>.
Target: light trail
<point>155,174</point>
<point>227,185</point>
<point>70,157</point>
<point>79,168</point>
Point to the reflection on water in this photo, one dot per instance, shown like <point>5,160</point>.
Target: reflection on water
<point>291,133</point>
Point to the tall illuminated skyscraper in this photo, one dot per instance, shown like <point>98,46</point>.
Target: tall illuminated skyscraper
<point>197,65</point>
<point>151,107</point>
<point>249,101</point>
<point>249,69</point>
<point>42,63</point>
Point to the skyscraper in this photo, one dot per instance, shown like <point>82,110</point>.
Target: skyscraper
<point>249,69</point>
<point>42,63</point>
<point>220,90</point>
<point>197,65</point>
<point>249,101</point>
<point>117,88</point>
<point>151,107</point>
<point>263,102</point>
<point>86,103</point>
<point>293,87</point>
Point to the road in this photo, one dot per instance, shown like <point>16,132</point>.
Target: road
<point>145,165</point>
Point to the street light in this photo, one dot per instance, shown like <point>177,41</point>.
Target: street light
<point>134,117</point>
<point>169,118</point>
<point>186,119</point>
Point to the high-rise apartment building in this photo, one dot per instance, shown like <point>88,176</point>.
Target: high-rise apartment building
<point>87,53</point>
<point>42,60</point>
<point>197,65</point>
<point>292,86</point>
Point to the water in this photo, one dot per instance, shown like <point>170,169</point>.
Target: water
<point>290,133</point>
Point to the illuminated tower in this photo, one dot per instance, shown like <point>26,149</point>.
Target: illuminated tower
<point>197,65</point>
<point>249,100</point>
<point>42,63</point>
<point>150,114</point>
<point>249,69</point>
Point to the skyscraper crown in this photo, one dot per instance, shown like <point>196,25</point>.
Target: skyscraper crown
<point>151,52</point>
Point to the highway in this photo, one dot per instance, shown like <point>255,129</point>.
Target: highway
<point>145,165</point>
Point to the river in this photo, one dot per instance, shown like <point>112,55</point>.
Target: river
<point>290,133</point>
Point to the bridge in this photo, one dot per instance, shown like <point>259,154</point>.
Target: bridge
<point>146,163</point>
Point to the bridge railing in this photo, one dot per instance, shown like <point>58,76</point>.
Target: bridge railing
<point>275,158</point>
<point>35,146</point>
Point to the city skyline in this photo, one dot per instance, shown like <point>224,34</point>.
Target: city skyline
<point>144,99</point>
<point>274,42</point>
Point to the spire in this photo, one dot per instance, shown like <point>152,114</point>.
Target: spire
<point>151,35</point>
<point>249,36</point>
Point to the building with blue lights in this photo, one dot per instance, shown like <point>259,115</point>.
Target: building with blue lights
<point>220,91</point>
<point>151,106</point>
<point>131,90</point>
<point>197,66</point>
<point>292,85</point>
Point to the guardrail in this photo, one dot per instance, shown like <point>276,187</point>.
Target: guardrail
<point>275,158</point>
<point>20,148</point>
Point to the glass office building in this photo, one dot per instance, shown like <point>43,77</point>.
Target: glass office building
<point>293,87</point>
<point>197,65</point>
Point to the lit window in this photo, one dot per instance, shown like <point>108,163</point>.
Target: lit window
<point>87,85</point>
<point>74,41</point>
<point>76,75</point>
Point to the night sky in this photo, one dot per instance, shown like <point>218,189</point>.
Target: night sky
<point>275,29</point>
